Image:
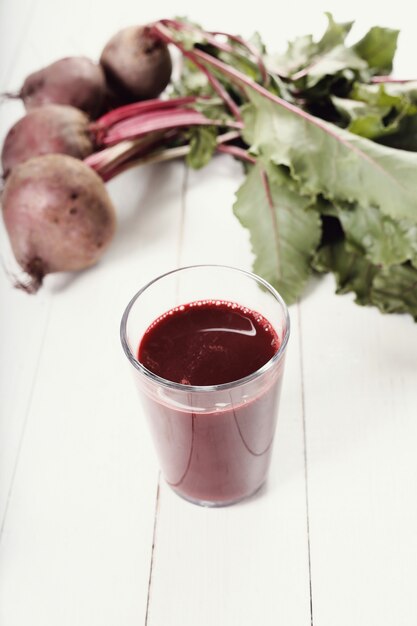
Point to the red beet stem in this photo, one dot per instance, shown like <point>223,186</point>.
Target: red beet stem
<point>111,161</point>
<point>242,79</point>
<point>152,122</point>
<point>124,112</point>
<point>239,153</point>
<point>210,37</point>
<point>200,57</point>
<point>391,79</point>
<point>251,48</point>
<point>116,159</point>
<point>165,35</point>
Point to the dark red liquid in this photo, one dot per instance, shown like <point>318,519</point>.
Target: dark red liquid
<point>208,343</point>
<point>213,454</point>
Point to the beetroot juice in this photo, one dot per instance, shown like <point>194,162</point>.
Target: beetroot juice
<point>207,344</point>
<point>221,455</point>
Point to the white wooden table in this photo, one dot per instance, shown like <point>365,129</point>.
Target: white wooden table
<point>90,534</point>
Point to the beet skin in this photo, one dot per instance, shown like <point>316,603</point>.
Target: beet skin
<point>76,81</point>
<point>137,65</point>
<point>58,215</point>
<point>53,128</point>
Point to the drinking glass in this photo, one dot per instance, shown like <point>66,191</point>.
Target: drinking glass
<point>213,442</point>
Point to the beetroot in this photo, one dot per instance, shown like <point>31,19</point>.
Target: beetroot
<point>58,216</point>
<point>137,65</point>
<point>45,130</point>
<point>76,81</point>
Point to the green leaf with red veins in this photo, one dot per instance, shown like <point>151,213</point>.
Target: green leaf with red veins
<point>378,48</point>
<point>381,239</point>
<point>284,230</point>
<point>372,112</point>
<point>304,51</point>
<point>334,62</point>
<point>299,53</point>
<point>335,33</point>
<point>202,140</point>
<point>392,289</point>
<point>332,162</point>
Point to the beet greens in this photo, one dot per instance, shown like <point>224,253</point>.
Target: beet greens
<point>327,135</point>
<point>310,128</point>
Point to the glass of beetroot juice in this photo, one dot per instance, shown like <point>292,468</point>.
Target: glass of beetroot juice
<point>207,344</point>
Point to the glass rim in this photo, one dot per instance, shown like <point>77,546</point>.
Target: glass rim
<point>205,388</point>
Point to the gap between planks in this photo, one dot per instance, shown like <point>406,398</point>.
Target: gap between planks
<point>303,413</point>
<point>155,526</point>
<point>183,207</point>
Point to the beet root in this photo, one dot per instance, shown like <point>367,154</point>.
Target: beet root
<point>137,65</point>
<point>76,81</point>
<point>58,215</point>
<point>54,128</point>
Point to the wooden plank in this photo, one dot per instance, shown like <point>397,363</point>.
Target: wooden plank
<point>16,19</point>
<point>360,380</point>
<point>248,563</point>
<point>23,323</point>
<point>23,319</point>
<point>78,534</point>
<point>212,234</point>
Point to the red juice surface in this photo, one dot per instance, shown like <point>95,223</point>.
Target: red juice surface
<point>220,454</point>
<point>207,343</point>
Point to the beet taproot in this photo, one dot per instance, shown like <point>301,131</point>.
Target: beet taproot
<point>137,65</point>
<point>76,81</point>
<point>53,128</point>
<point>58,215</point>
